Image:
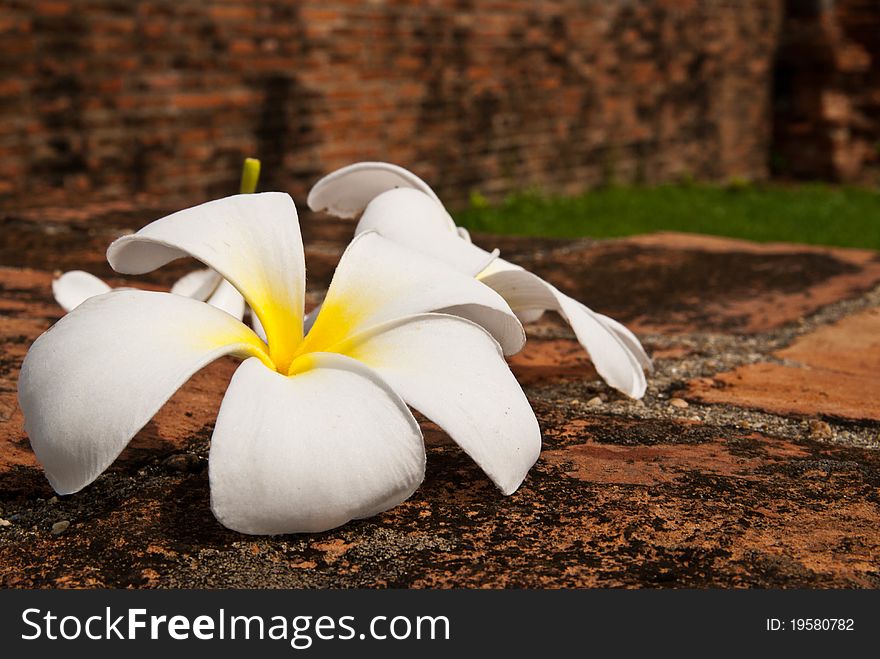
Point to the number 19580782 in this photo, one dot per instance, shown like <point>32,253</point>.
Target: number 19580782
<point>811,625</point>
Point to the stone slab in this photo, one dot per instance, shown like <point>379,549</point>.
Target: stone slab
<point>611,503</point>
<point>831,372</point>
<point>624,495</point>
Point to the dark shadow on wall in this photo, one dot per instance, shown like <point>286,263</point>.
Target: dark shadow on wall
<point>283,126</point>
<point>59,98</point>
<point>804,69</point>
<point>285,132</point>
<point>273,127</point>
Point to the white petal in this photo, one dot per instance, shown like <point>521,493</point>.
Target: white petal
<point>453,372</point>
<point>347,191</point>
<point>625,335</point>
<point>411,218</point>
<point>499,265</point>
<point>310,452</point>
<point>410,205</point>
<point>207,285</point>
<point>613,359</point>
<point>529,315</point>
<point>72,288</point>
<point>198,284</point>
<point>99,374</point>
<point>252,240</point>
<point>227,298</point>
<point>378,280</point>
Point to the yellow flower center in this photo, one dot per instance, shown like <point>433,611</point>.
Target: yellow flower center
<point>289,354</point>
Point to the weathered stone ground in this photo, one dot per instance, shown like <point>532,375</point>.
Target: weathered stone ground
<point>752,461</point>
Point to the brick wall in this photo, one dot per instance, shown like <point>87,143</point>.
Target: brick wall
<point>827,91</point>
<point>110,97</point>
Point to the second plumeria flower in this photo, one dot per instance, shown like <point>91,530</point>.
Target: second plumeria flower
<point>313,430</point>
<point>73,288</point>
<point>402,207</point>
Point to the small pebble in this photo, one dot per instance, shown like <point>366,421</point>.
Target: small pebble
<point>183,463</point>
<point>594,401</point>
<point>680,403</point>
<point>53,501</point>
<point>60,527</point>
<point>5,522</point>
<point>820,429</point>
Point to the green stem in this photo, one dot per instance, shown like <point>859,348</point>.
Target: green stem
<point>250,174</point>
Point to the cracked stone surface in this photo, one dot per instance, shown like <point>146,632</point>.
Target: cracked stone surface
<point>751,462</point>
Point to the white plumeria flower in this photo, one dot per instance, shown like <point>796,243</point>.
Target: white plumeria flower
<point>402,207</point>
<point>76,286</point>
<point>313,431</point>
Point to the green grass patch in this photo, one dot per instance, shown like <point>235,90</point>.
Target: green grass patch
<point>814,213</point>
